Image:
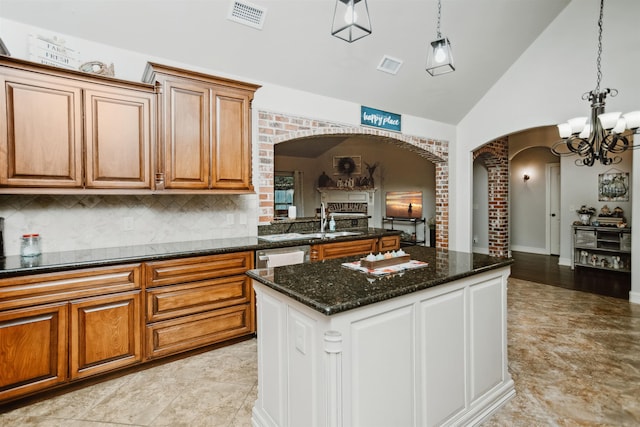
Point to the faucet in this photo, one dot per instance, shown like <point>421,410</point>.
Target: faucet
<point>323,218</point>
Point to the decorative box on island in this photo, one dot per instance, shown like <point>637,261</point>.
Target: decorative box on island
<point>389,263</point>
<point>400,259</point>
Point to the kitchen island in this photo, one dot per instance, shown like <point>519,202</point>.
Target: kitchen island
<point>339,347</point>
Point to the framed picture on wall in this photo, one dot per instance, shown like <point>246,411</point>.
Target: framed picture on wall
<point>613,187</point>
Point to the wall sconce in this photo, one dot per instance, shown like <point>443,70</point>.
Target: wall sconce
<point>351,20</point>
<point>526,177</point>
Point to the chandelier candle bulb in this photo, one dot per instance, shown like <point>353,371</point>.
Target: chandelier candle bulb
<point>577,124</point>
<point>632,119</point>
<point>621,126</point>
<point>609,120</point>
<point>564,129</point>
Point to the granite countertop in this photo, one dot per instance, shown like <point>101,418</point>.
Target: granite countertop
<point>330,288</point>
<point>49,262</point>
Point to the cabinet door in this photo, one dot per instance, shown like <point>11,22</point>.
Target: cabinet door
<point>105,333</point>
<point>33,349</point>
<point>186,132</point>
<point>342,249</point>
<point>40,131</point>
<point>389,243</point>
<point>118,133</point>
<point>232,126</point>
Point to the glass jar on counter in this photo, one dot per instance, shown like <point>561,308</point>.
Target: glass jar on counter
<point>30,245</point>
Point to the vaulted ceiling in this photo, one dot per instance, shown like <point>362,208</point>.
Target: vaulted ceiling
<point>295,48</point>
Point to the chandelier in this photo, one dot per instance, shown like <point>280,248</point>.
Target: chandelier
<point>602,136</point>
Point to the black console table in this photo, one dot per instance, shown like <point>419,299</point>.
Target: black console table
<point>410,221</point>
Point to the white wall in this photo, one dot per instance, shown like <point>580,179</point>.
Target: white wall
<point>545,87</point>
<point>528,199</point>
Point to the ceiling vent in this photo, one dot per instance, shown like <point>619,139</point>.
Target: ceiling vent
<point>390,65</point>
<point>246,13</point>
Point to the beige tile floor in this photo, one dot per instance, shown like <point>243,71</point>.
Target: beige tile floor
<point>575,359</point>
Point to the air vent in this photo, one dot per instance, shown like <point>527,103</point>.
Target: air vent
<point>247,13</point>
<point>389,65</point>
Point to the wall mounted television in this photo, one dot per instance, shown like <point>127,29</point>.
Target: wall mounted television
<point>403,204</point>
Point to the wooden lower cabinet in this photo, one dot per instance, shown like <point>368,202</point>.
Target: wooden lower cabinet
<point>189,332</point>
<point>194,302</point>
<point>342,249</point>
<point>33,349</point>
<point>388,243</point>
<point>63,326</point>
<point>105,333</point>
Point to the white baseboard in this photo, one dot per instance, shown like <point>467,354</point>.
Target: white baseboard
<point>634,297</point>
<point>565,261</point>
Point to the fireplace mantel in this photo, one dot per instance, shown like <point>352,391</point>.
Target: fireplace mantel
<point>350,200</point>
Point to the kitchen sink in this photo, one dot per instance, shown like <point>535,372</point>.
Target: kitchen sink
<point>302,236</point>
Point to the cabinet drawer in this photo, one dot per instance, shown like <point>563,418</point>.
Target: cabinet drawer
<point>342,249</point>
<point>194,269</point>
<point>186,333</point>
<point>44,288</point>
<point>180,300</point>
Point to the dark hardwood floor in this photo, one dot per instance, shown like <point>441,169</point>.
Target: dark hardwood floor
<point>545,269</point>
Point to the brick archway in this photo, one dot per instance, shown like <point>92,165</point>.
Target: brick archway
<point>274,128</point>
<point>494,155</point>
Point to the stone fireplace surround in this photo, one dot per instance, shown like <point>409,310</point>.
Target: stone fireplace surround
<point>274,128</point>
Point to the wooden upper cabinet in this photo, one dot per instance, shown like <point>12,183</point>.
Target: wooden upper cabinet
<point>186,133</point>
<point>205,132</point>
<point>118,136</point>
<point>40,131</point>
<point>66,129</point>
<point>232,125</point>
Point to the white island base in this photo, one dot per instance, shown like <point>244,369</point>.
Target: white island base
<point>433,357</point>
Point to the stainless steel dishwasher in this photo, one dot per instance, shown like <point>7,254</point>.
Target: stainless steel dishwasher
<point>282,256</point>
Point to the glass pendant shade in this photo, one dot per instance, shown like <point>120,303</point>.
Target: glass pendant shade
<point>440,57</point>
<point>351,20</point>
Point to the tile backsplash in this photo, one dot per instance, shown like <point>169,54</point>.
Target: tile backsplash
<point>73,222</point>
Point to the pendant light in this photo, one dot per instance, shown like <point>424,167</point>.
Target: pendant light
<point>440,57</point>
<point>351,20</point>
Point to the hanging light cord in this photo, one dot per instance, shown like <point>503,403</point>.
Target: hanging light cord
<point>599,74</point>
<point>596,94</point>
<point>439,36</point>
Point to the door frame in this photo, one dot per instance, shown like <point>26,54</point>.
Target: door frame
<point>548,239</point>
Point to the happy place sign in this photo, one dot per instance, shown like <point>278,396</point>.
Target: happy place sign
<point>380,119</point>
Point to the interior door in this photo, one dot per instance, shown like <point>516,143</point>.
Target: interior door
<point>553,217</point>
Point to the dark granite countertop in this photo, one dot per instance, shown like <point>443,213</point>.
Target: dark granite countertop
<point>69,260</point>
<point>330,288</point>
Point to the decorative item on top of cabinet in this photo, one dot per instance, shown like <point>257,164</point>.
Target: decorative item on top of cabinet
<point>205,130</point>
<point>60,123</point>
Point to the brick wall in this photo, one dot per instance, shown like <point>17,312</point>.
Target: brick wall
<point>274,128</point>
<point>495,157</point>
